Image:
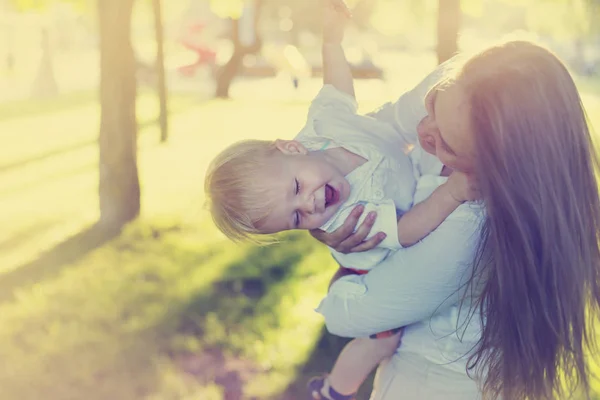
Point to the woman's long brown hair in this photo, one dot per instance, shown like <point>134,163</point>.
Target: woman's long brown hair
<point>539,254</point>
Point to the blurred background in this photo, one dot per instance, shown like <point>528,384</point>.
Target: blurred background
<point>114,284</point>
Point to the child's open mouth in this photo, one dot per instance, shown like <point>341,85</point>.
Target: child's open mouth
<point>331,196</point>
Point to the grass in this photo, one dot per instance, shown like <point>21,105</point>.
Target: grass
<point>107,326</point>
<point>88,314</point>
<point>167,309</point>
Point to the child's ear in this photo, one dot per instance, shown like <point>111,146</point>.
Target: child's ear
<point>290,147</point>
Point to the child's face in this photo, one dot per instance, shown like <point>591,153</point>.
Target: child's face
<point>305,189</point>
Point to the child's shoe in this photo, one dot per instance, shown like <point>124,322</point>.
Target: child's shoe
<point>319,389</point>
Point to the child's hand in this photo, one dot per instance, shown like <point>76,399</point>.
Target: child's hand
<point>336,15</point>
<point>462,187</point>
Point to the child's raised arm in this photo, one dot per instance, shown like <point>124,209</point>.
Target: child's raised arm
<point>336,70</point>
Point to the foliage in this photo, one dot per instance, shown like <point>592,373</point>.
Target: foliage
<point>39,5</point>
<point>227,8</point>
<point>564,19</point>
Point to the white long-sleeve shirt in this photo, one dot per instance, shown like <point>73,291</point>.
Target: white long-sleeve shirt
<point>417,287</point>
<point>385,183</point>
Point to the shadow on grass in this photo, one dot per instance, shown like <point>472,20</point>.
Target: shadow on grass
<point>15,190</point>
<point>232,314</point>
<point>51,262</point>
<point>27,234</point>
<point>93,323</point>
<point>63,150</point>
<point>85,143</point>
<point>321,362</point>
<point>31,108</point>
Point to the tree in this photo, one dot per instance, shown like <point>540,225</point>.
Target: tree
<point>160,70</point>
<point>448,26</point>
<point>119,188</point>
<point>44,85</point>
<point>245,41</point>
<point>579,24</point>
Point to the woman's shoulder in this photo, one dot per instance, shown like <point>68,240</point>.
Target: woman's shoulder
<point>424,163</point>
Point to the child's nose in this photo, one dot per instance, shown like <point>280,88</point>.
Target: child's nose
<point>308,206</point>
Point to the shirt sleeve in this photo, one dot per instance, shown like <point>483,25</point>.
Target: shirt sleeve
<point>405,113</point>
<point>410,285</point>
<point>386,222</point>
<point>330,100</point>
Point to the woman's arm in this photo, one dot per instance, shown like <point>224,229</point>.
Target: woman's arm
<point>409,286</point>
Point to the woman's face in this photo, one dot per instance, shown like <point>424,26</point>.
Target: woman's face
<point>446,132</point>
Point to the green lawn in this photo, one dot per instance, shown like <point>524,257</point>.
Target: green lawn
<point>168,309</point>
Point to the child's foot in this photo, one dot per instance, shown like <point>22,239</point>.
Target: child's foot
<point>319,389</point>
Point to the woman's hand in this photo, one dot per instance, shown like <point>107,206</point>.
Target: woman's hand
<point>345,239</point>
<point>463,187</point>
<point>336,15</point>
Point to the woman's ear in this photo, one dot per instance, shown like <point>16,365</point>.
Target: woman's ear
<point>290,147</point>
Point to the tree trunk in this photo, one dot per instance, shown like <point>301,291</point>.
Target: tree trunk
<point>119,187</point>
<point>45,85</point>
<point>160,70</point>
<point>226,74</point>
<point>449,16</point>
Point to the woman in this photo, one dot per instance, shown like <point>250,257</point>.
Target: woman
<point>496,300</point>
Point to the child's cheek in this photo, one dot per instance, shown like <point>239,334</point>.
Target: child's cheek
<point>314,222</point>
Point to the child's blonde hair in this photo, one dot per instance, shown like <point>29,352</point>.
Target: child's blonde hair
<point>235,189</point>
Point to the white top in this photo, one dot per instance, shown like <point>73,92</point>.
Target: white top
<point>385,183</point>
<point>417,287</point>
